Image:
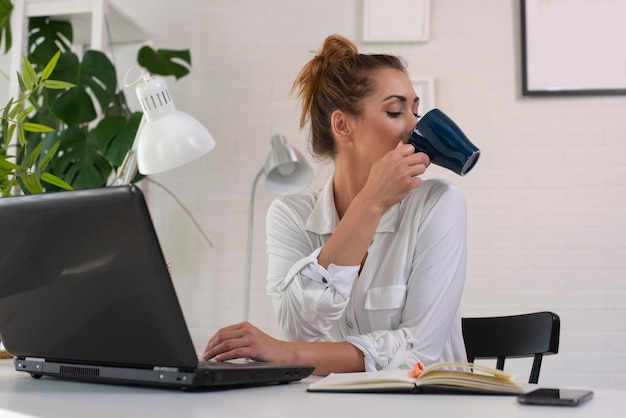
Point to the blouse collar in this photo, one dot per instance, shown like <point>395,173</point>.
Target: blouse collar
<point>324,219</point>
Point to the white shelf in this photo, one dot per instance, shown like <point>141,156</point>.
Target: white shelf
<point>85,15</point>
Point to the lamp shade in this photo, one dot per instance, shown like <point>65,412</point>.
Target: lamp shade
<point>286,170</point>
<point>169,138</point>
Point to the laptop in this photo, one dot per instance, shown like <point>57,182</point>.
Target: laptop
<point>85,294</point>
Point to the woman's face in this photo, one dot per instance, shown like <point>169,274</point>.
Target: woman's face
<point>389,115</point>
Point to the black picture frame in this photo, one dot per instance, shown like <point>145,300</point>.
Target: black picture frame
<point>573,47</point>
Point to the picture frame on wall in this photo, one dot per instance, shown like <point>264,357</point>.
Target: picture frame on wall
<point>573,47</point>
<point>396,20</point>
<point>424,87</point>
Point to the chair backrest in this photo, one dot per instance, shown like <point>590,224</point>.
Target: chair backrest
<point>527,335</point>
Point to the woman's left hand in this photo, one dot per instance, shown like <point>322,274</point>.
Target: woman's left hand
<point>244,340</point>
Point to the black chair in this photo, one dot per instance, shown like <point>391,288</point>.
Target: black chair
<point>528,335</point>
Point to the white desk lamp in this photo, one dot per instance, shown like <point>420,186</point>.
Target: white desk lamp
<point>167,138</point>
<point>286,172</point>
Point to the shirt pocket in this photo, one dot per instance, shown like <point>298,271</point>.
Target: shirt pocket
<point>384,306</point>
<point>386,297</point>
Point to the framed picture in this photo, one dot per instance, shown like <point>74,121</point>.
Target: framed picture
<point>396,20</point>
<point>425,88</point>
<point>573,47</point>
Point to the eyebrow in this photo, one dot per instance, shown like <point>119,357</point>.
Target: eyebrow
<point>401,98</point>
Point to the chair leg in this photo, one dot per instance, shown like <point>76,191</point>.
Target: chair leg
<point>534,373</point>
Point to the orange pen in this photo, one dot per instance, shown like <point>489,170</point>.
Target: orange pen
<point>417,369</point>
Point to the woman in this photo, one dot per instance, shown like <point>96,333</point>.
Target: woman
<point>367,273</point>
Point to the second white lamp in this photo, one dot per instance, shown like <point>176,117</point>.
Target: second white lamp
<point>286,172</point>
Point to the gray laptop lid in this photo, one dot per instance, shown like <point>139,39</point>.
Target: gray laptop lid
<point>85,294</point>
<point>83,279</point>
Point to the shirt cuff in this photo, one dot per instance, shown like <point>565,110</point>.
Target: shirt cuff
<point>341,278</point>
<point>384,352</point>
<point>369,353</point>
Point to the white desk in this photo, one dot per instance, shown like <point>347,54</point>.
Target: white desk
<point>49,397</point>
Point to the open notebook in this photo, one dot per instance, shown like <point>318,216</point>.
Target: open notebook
<point>85,294</point>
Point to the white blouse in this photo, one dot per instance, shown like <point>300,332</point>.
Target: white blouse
<point>403,307</point>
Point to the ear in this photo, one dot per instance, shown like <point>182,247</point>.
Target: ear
<point>340,124</point>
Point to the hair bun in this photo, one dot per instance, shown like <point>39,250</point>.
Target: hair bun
<point>337,48</point>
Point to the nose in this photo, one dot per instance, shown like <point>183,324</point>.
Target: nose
<point>411,121</point>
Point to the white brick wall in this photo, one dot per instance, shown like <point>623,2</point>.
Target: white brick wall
<point>547,201</point>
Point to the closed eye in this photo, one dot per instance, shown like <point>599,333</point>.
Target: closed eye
<point>394,114</point>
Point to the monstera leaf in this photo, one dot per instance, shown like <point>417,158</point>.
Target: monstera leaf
<point>46,37</point>
<point>5,23</point>
<point>79,161</point>
<point>94,77</point>
<point>165,61</point>
<point>115,135</point>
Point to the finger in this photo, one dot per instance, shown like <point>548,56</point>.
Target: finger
<point>405,149</point>
<point>222,336</point>
<point>417,170</point>
<point>425,158</point>
<point>226,349</point>
<point>419,158</point>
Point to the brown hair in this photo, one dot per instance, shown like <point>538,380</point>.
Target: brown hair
<point>337,78</point>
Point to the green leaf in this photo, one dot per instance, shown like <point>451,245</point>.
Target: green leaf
<point>5,110</point>
<point>16,109</point>
<point>44,117</point>
<point>6,165</point>
<point>48,156</point>
<point>9,136</point>
<point>50,66</point>
<point>56,181</point>
<point>115,136</point>
<point>30,76</point>
<point>119,107</point>
<point>20,81</point>
<point>47,37</point>
<point>165,61</point>
<point>31,183</point>
<point>95,77</point>
<point>36,127</point>
<point>7,187</point>
<point>6,9</point>
<point>58,85</point>
<point>21,136</point>
<point>34,154</point>
<point>24,113</point>
<point>79,161</point>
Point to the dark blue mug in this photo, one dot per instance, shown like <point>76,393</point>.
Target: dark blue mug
<point>445,144</point>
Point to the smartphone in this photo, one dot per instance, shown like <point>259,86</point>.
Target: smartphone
<point>558,397</point>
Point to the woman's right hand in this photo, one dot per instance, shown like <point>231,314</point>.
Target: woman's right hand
<point>244,340</point>
<point>392,177</point>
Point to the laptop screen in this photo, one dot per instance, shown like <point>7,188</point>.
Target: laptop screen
<point>84,280</point>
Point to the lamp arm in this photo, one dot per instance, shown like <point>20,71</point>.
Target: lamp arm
<point>248,273</point>
<point>128,170</point>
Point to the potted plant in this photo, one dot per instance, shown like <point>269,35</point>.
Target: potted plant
<point>73,123</point>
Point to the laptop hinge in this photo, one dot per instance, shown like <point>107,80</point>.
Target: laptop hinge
<point>39,359</point>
